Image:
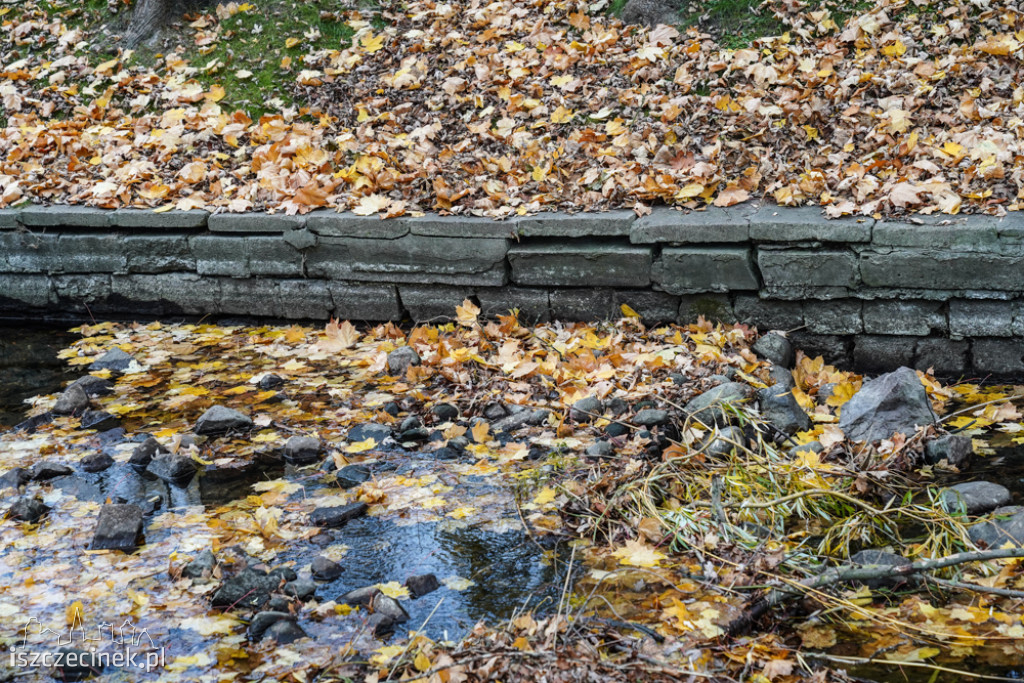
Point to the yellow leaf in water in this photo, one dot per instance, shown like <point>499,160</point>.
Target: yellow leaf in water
<point>209,626</point>
<point>639,554</point>
<point>457,583</point>
<point>545,496</point>
<point>181,663</point>
<point>73,613</point>
<point>361,446</point>
<point>462,512</point>
<point>395,590</point>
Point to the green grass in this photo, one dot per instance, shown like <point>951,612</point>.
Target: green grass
<point>734,23</point>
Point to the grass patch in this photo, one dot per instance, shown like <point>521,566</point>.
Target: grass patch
<point>734,23</point>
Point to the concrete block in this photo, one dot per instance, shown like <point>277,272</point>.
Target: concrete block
<point>266,255</point>
<point>694,270</point>
<point>254,222</point>
<point>411,259</point>
<point>532,303</point>
<point>713,307</point>
<point>249,296</point>
<point>9,219</point>
<point>766,314</point>
<point>301,238</point>
<point>219,255</point>
<point>91,253</point>
<point>582,304</point>
<point>157,253</point>
<point>150,220</point>
<point>899,317</point>
<point>970,233</point>
<point>779,224</point>
<point>715,225</point>
<point>653,307</point>
<point>75,292</point>
<point>570,264</point>
<point>805,268</point>
<point>947,358</point>
<point>998,357</point>
<point>64,217</point>
<point>308,300</point>
<point>930,269</point>
<point>560,224</point>
<point>976,318</point>
<point>364,301</point>
<point>28,252</point>
<point>433,303</point>
<point>329,223</point>
<point>458,226</point>
<point>19,290</point>
<point>176,293</point>
<point>842,316</point>
<point>883,353</point>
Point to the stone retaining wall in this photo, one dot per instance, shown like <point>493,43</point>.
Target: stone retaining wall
<point>942,292</point>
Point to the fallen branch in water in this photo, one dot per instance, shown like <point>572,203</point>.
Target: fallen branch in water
<point>849,573</point>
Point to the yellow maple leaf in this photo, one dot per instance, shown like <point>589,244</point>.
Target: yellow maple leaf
<point>545,496</point>
<point>395,590</point>
<point>480,432</point>
<point>371,204</point>
<point>372,43</point>
<point>361,446</point>
<point>639,554</point>
<point>841,393</point>
<point>467,313</point>
<point>561,115</point>
<point>292,42</point>
<point>338,337</point>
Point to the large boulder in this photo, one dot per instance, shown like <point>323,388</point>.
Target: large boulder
<point>172,468</point>
<point>891,403</point>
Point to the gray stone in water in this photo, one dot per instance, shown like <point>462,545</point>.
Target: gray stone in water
<point>360,597</point>
<point>325,569</point>
<point>247,589</point>
<point>445,453</point>
<point>29,510</point>
<point>99,420</point>
<point>93,386</point>
<point>390,607</point>
<point>119,527</point>
<point>401,358</point>
<point>974,497</point>
<point>891,403</point>
<point>302,589</point>
<point>284,573</point>
<point>48,469</point>
<point>586,409</point>
<point>74,400</point>
<point>650,417</point>
<point>114,359</point>
<point>780,408</point>
<point>380,625</point>
<point>263,621</point>
<point>445,412</point>
<point>172,468</point>
<point>776,348</point>
<point>352,475</point>
<point>953,448</point>
<point>369,430</point>
<point>81,487</point>
<point>270,381</point>
<point>96,462</point>
<point>14,478</point>
<point>709,407</point>
<point>337,516</point>
<point>75,665</point>
<point>220,420</point>
<point>284,632</point>
<point>201,565</point>
<point>421,585</point>
<point>145,452</point>
<point>301,449</point>
<point>1004,525</point>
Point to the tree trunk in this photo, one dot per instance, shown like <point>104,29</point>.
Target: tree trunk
<point>149,17</point>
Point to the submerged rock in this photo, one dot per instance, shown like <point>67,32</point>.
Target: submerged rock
<point>33,423</point>
<point>201,566</point>
<point>264,620</point>
<point>99,420</point>
<point>75,665</point>
<point>301,589</point>
<point>337,516</point>
<point>389,607</point>
<point>14,478</point>
<point>221,420</point>
<point>891,403</point>
<point>48,469</point>
<point>401,358</point>
<point>96,462</point>
<point>369,430</point>
<point>421,585</point>
<point>249,588</point>
<point>114,359</point>
<point>119,527</point>
<point>271,381</point>
<point>325,569</point>
<point>974,497</point>
<point>284,632</point>
<point>74,400</point>
<point>145,452</point>
<point>29,510</point>
<point>172,468</point>
<point>350,476</point>
<point>360,597</point>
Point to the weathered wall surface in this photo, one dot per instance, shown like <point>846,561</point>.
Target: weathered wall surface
<point>943,292</point>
